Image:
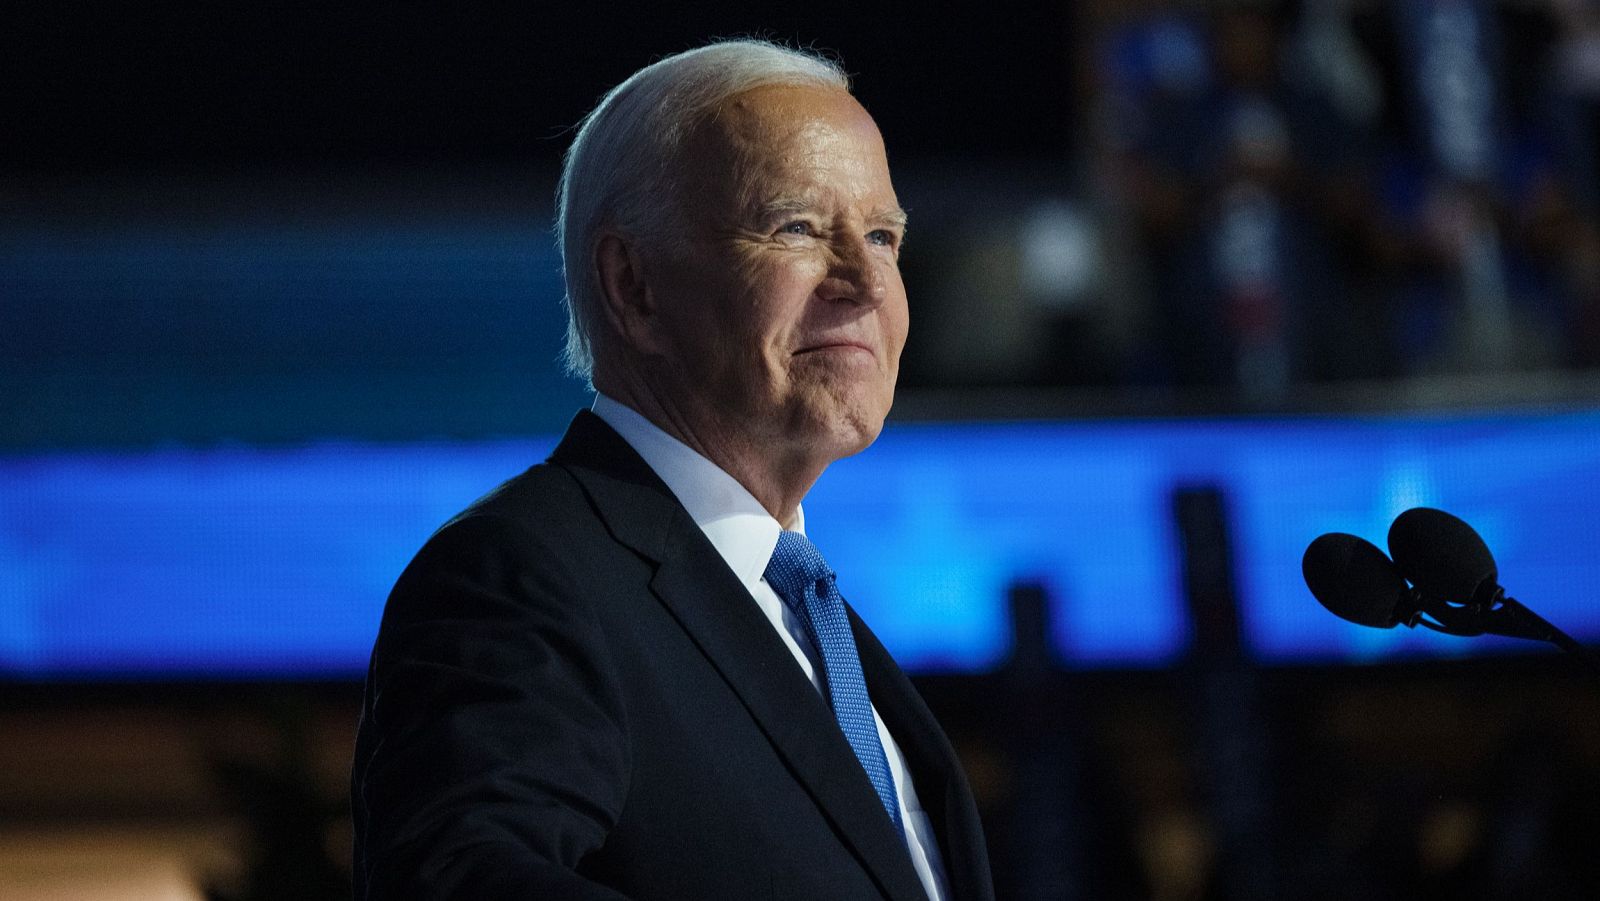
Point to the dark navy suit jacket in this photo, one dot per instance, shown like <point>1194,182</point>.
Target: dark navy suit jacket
<point>572,696</point>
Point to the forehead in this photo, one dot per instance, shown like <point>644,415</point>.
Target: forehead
<point>789,140</point>
<point>780,113</point>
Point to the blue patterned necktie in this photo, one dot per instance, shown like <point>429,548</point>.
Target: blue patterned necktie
<point>802,578</point>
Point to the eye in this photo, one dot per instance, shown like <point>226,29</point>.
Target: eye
<point>883,237</point>
<point>797,227</point>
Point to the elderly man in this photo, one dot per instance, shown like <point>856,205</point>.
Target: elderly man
<point>627,673</point>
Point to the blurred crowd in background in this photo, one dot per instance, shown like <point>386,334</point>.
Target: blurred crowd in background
<point>1268,194</point>
<point>1226,200</point>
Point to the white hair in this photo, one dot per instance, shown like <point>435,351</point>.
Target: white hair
<point>621,170</point>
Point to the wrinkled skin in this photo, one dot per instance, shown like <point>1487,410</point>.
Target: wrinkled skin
<point>768,335</point>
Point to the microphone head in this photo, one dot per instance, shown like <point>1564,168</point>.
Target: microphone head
<point>1440,554</point>
<point>1354,580</point>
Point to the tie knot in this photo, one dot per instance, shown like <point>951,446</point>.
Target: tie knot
<point>796,565</point>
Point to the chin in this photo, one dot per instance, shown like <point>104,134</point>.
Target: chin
<point>834,419</point>
<point>850,429</point>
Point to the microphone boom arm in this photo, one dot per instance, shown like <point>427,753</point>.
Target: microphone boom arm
<point>1491,612</point>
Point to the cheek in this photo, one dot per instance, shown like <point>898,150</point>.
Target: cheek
<point>780,296</point>
<point>897,314</point>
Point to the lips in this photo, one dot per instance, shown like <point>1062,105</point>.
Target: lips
<point>837,344</point>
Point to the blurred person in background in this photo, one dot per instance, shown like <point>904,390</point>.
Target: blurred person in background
<point>1331,190</point>
<point>627,673</point>
<point>1223,156</point>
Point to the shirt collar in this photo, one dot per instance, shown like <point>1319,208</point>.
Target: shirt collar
<point>741,530</point>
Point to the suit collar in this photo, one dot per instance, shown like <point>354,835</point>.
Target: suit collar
<point>636,506</point>
<point>741,530</point>
<point>716,611</point>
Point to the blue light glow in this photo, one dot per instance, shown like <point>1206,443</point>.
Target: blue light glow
<point>243,562</point>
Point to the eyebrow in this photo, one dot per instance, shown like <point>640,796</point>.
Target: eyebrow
<point>782,206</point>
<point>789,205</point>
<point>893,216</point>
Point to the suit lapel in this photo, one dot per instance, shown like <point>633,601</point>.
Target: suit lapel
<point>716,611</point>
<point>941,783</point>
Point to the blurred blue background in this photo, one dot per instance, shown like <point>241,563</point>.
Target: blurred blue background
<point>242,562</point>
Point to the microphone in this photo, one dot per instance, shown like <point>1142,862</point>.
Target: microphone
<point>1355,581</point>
<point>1454,582</point>
<point>1442,555</point>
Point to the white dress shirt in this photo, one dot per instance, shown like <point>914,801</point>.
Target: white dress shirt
<point>745,534</point>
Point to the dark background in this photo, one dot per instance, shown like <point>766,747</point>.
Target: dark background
<point>108,89</point>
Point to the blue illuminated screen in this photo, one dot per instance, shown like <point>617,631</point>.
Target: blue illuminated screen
<point>274,563</point>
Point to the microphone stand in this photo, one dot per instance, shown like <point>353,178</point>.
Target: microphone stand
<point>1491,612</point>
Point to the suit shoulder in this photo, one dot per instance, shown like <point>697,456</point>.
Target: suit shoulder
<point>524,539</point>
<point>544,496</point>
<point>529,521</point>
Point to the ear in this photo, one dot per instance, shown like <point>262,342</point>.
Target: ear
<point>626,299</point>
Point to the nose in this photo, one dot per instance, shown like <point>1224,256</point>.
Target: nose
<point>855,274</point>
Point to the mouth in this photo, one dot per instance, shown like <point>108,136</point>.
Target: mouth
<point>838,346</point>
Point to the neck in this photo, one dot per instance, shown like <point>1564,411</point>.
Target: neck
<point>778,477</point>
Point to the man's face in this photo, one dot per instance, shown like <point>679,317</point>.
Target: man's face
<point>782,315</point>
